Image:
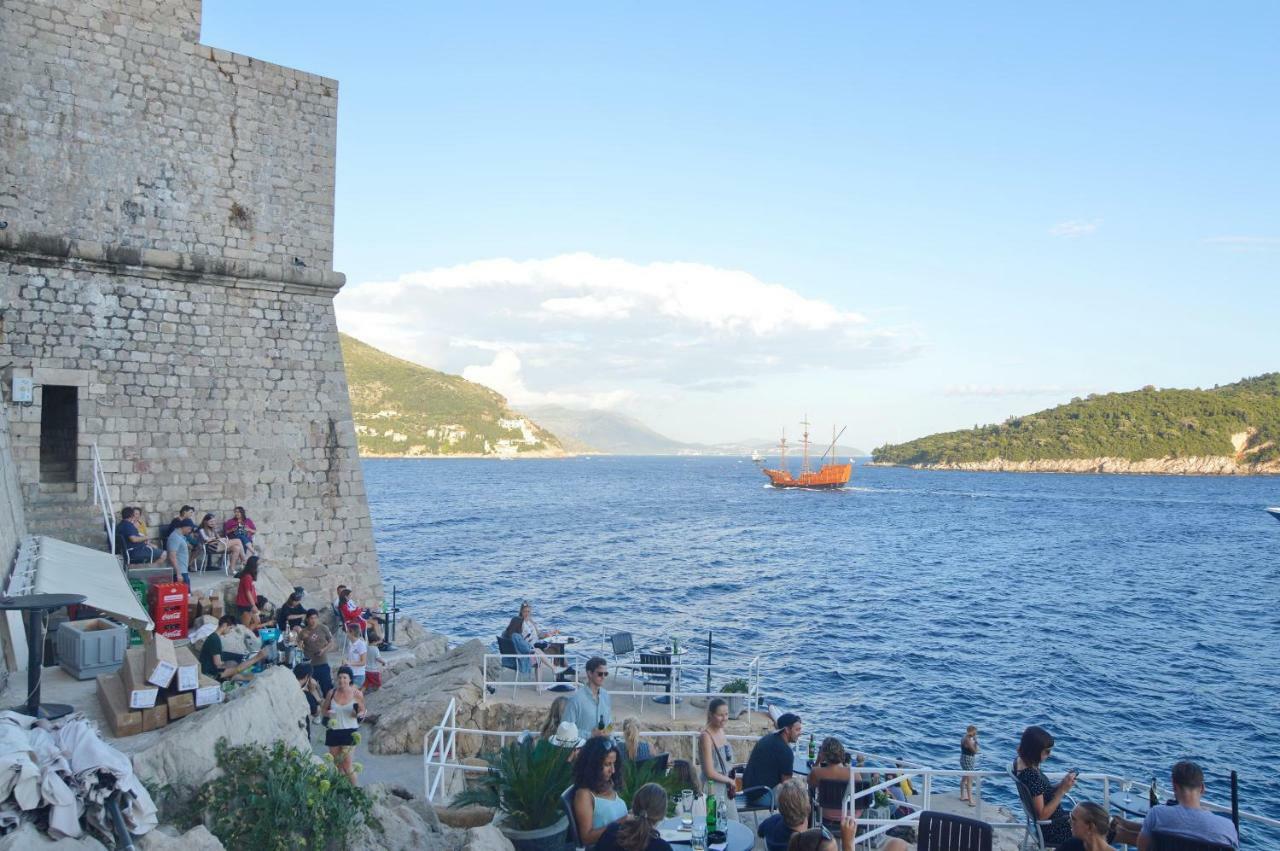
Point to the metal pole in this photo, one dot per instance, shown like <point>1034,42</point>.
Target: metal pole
<point>1235,800</point>
<point>708,661</point>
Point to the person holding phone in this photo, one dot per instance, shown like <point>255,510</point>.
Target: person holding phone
<point>1046,798</point>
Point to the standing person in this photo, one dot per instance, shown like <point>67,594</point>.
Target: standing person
<point>597,779</point>
<point>715,755</point>
<point>317,641</point>
<point>591,708</point>
<point>356,655</point>
<point>215,543</point>
<point>178,549</point>
<point>968,762</point>
<point>1187,818</point>
<point>247,593</point>
<point>772,761</point>
<point>345,705</point>
<point>1046,798</point>
<point>240,527</point>
<point>639,830</point>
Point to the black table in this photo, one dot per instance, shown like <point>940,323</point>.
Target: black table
<point>1137,805</point>
<point>33,607</point>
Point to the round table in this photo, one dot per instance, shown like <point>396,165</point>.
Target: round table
<point>739,836</point>
<point>1137,805</point>
<point>33,607</point>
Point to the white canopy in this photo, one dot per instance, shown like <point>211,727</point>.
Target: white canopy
<point>62,568</point>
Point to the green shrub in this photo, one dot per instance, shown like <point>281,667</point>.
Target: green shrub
<point>525,780</point>
<point>280,799</point>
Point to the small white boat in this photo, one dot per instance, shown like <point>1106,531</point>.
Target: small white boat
<point>756,456</point>
<point>1274,511</point>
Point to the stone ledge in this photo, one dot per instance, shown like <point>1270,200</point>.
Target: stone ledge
<point>44,248</point>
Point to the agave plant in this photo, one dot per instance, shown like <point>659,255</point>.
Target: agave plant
<point>524,781</point>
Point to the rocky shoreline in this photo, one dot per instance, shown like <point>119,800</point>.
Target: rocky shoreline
<point>1217,465</point>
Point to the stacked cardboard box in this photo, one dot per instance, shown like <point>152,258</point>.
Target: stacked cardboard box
<point>158,683</point>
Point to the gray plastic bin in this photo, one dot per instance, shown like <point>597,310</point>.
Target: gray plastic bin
<point>91,647</point>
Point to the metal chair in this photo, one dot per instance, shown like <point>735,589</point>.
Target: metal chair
<point>829,795</point>
<point>1035,826</point>
<point>566,804</point>
<point>655,670</point>
<point>944,832</point>
<point>209,557</point>
<point>507,648</point>
<point>624,649</point>
<point>658,761</point>
<point>1162,841</point>
<point>742,800</point>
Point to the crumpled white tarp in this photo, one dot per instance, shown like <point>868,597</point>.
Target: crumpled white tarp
<point>66,766</point>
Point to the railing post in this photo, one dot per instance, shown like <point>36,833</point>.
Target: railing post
<point>926,793</point>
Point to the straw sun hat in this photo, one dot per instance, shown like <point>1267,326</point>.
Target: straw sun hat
<point>566,735</point>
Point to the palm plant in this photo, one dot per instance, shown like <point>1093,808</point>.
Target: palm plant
<point>524,781</point>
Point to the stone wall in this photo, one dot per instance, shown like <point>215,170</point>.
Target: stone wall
<point>12,525</point>
<point>120,128</point>
<point>166,249</point>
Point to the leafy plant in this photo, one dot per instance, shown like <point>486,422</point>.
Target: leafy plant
<point>525,780</point>
<point>637,774</point>
<point>738,686</point>
<point>281,799</point>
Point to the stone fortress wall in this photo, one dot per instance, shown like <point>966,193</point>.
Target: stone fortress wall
<point>166,236</point>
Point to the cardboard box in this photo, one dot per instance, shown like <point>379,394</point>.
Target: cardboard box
<point>115,707</point>
<point>139,694</point>
<point>188,678</point>
<point>155,717</point>
<point>208,693</point>
<point>162,661</point>
<point>180,705</point>
<point>217,608</point>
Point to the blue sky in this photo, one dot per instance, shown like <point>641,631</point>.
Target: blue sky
<point>720,216</point>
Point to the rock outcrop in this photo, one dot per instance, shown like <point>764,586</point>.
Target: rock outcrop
<point>1213,465</point>
<point>26,837</point>
<point>271,709</point>
<point>415,700</point>
<point>197,838</point>
<point>406,823</point>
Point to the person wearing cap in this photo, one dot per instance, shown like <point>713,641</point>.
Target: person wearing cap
<point>178,548</point>
<point>772,760</point>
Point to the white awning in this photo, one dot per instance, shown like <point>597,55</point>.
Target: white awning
<point>61,568</point>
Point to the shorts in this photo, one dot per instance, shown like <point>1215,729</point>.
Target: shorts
<point>339,738</point>
<point>372,680</point>
<point>968,761</point>
<point>243,610</point>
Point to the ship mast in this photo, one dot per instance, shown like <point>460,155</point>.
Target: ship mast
<point>782,451</point>
<point>805,442</point>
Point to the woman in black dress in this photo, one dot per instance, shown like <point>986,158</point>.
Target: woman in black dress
<point>1046,797</point>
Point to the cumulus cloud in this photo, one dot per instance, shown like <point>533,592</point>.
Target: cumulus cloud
<point>1075,228</point>
<point>587,331</point>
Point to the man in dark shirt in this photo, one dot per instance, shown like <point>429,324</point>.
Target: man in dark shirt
<point>772,760</point>
<point>211,662</point>
<point>140,550</point>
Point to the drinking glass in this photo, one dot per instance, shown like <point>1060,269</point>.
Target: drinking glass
<point>699,838</point>
<point>1127,786</point>
<point>686,809</point>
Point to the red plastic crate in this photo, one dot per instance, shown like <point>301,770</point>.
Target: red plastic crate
<point>169,593</point>
<point>174,631</point>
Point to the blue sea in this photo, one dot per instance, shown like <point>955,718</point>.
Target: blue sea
<point>1134,617</point>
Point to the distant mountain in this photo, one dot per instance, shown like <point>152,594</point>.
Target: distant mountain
<point>606,431</point>
<point>1230,429</point>
<point>404,409</point>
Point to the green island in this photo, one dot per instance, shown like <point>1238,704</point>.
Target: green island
<point>402,409</point>
<point>1239,423</point>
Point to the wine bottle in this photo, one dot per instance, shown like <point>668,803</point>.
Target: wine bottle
<point>1152,797</point>
<point>812,752</point>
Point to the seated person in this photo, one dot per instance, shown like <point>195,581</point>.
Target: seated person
<point>291,614</point>
<point>215,543</point>
<point>772,761</point>
<point>1046,798</point>
<point>597,781</point>
<point>539,659</point>
<point>186,512</point>
<point>1187,818</point>
<point>240,527</point>
<point>1089,826</point>
<point>348,610</point>
<point>833,765</point>
<point>639,830</point>
<point>791,818</point>
<point>133,537</point>
<point>178,549</point>
<point>821,839</point>
<point>214,662</point>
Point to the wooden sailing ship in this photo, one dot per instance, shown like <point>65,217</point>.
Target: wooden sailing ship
<point>826,477</point>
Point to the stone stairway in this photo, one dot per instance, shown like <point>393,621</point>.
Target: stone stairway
<point>59,511</point>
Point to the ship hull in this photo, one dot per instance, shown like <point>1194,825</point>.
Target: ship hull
<point>830,477</point>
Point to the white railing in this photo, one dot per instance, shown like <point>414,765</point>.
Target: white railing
<point>440,756</point>
<point>102,496</point>
<point>671,683</point>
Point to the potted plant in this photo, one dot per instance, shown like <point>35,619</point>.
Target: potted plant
<point>732,689</point>
<point>524,783</point>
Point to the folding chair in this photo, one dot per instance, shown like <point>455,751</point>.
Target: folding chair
<point>507,648</point>
<point>944,832</point>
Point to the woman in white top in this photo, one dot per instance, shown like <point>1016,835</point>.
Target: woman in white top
<point>715,755</point>
<point>356,654</point>
<point>344,705</point>
<point>218,544</point>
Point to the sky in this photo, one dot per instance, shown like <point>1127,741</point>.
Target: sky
<point>721,217</point>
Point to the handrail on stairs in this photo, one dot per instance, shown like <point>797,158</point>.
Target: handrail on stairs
<point>102,496</point>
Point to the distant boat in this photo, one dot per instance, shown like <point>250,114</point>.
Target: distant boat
<point>756,456</point>
<point>826,477</point>
<point>1274,512</point>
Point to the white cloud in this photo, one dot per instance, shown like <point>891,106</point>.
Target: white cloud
<point>592,331</point>
<point>1245,243</point>
<point>1074,228</point>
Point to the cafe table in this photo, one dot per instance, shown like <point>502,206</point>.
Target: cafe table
<point>739,836</point>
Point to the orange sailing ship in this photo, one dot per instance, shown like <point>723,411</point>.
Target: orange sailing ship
<point>828,476</point>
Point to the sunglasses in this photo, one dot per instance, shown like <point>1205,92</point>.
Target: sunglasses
<point>601,673</point>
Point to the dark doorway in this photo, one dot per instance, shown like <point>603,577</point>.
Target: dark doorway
<point>58,413</point>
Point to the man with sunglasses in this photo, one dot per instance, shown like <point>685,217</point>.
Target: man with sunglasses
<point>591,708</point>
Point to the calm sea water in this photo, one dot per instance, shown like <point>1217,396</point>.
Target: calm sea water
<point>1134,617</point>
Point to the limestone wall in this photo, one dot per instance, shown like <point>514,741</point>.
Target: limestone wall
<point>166,215</point>
<point>120,128</point>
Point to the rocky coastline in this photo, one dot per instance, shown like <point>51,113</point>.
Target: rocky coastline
<point>1215,465</point>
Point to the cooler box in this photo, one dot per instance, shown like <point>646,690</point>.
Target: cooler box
<point>91,647</point>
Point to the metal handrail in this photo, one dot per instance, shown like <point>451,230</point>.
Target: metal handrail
<point>102,496</point>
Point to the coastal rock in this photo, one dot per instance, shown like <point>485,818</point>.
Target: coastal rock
<point>166,838</point>
<point>1217,465</point>
<point>465,817</point>
<point>416,699</point>
<point>425,643</point>
<point>406,823</point>
<point>487,838</point>
<point>268,710</point>
<point>26,837</point>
